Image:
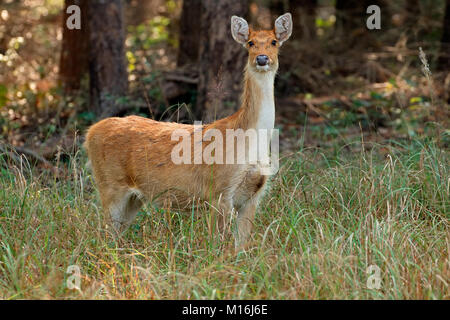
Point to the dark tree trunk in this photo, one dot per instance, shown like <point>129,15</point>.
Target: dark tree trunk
<point>189,32</point>
<point>222,60</point>
<point>74,59</point>
<point>304,18</point>
<point>444,58</point>
<point>350,14</point>
<point>277,8</point>
<point>107,63</point>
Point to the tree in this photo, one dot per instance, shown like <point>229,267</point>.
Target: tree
<point>189,33</point>
<point>350,14</point>
<point>303,16</point>
<point>74,59</point>
<point>277,8</point>
<point>444,58</point>
<point>107,63</point>
<point>222,60</point>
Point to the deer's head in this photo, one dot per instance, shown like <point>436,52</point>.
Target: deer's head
<point>262,45</point>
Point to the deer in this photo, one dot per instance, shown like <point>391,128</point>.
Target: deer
<point>131,157</point>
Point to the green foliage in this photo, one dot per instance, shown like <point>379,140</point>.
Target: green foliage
<point>87,116</point>
<point>325,23</point>
<point>150,33</point>
<point>3,94</point>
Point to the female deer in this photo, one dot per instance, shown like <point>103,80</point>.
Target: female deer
<point>132,157</point>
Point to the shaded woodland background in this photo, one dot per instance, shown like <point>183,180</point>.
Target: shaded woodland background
<point>175,60</point>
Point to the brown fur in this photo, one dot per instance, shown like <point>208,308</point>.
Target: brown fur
<point>131,160</point>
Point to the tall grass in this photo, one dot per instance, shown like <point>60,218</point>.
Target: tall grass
<point>327,217</point>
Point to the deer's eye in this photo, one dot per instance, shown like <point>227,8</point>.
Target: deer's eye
<point>251,43</point>
<point>274,42</point>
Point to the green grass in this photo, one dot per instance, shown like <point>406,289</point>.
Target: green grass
<point>326,219</point>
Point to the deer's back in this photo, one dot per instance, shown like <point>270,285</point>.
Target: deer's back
<point>135,153</point>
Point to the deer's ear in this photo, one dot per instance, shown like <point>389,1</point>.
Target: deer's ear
<point>239,29</point>
<point>283,27</point>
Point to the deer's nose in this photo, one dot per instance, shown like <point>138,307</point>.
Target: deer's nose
<point>262,60</point>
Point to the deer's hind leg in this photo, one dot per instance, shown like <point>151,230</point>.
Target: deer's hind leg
<point>122,205</point>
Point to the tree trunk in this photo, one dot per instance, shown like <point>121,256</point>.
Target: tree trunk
<point>350,14</point>
<point>222,60</point>
<point>189,33</point>
<point>304,18</point>
<point>444,58</point>
<point>277,8</point>
<point>74,59</point>
<point>107,63</point>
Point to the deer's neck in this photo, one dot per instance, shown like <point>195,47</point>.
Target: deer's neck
<point>258,106</point>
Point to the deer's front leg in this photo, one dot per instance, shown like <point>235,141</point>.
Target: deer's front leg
<point>246,213</point>
<point>244,224</point>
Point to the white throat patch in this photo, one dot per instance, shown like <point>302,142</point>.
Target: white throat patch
<point>266,117</point>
